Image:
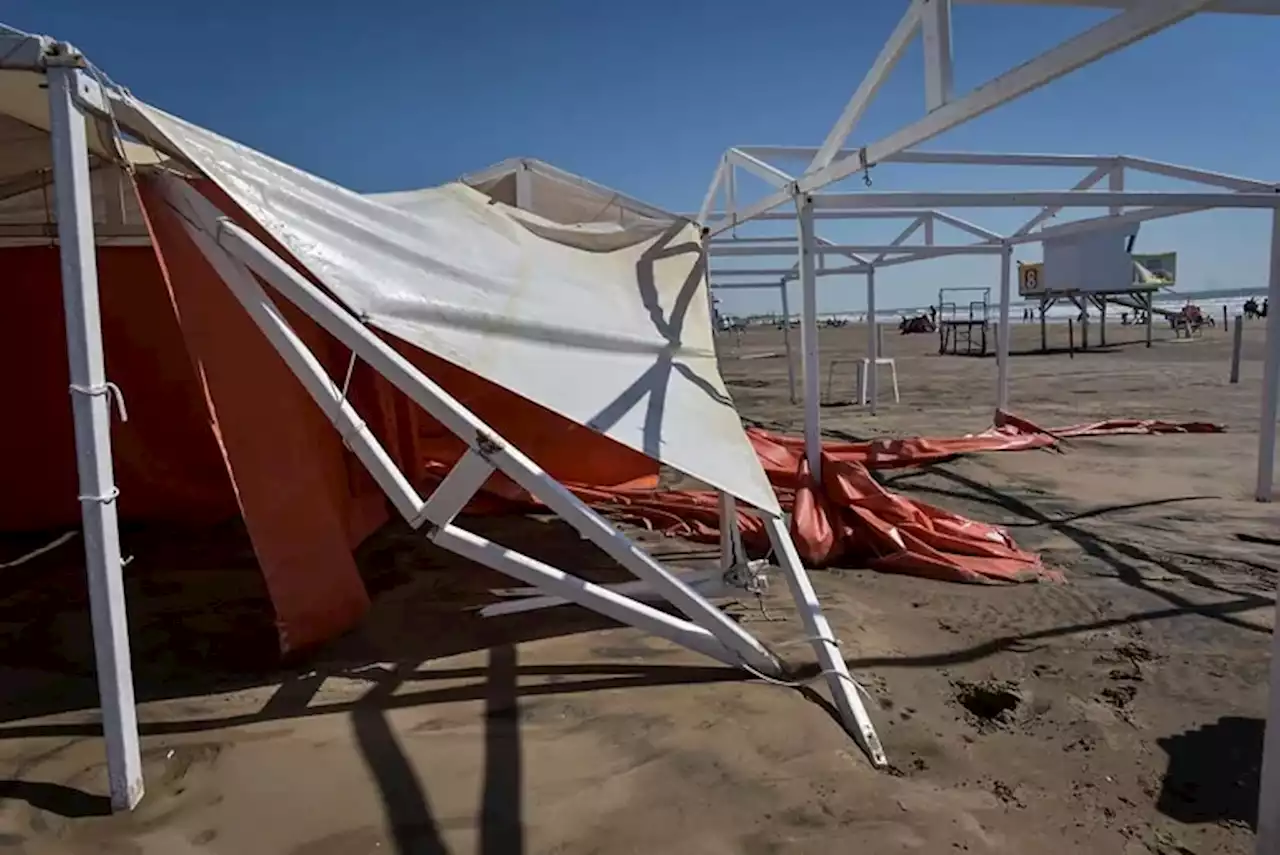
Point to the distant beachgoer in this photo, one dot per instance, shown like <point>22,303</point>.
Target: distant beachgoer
<point>933,314</point>
<point>1262,313</point>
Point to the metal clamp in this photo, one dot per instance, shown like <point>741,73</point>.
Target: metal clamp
<point>111,390</point>
<point>110,496</point>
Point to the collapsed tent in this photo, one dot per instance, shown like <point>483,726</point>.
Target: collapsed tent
<point>310,358</point>
<point>522,311</point>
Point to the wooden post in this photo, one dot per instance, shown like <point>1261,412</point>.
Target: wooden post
<point>1236,343</point>
<point>1071,337</point>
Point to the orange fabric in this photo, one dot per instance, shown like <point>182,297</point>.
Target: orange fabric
<point>167,463</point>
<point>286,462</point>
<point>852,518</point>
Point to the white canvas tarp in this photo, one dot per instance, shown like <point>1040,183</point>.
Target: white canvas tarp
<point>618,340</point>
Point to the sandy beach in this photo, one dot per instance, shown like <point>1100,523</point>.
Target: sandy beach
<point>1119,711</point>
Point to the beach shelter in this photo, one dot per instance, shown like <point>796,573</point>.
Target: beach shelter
<point>243,337</point>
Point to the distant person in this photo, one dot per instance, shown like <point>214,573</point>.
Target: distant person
<point>1262,313</point>
<point>933,315</point>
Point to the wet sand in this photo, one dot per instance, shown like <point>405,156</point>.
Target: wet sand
<point>1120,711</point>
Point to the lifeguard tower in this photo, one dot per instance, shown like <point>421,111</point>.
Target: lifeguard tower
<point>1094,271</point>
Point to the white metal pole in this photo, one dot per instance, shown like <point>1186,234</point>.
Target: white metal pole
<point>1002,340</point>
<point>1270,376</point>
<point>1268,840</point>
<point>809,339</point>
<point>524,186</point>
<point>873,343</point>
<point>825,646</point>
<point>732,552</point>
<point>92,413</point>
<point>786,340</point>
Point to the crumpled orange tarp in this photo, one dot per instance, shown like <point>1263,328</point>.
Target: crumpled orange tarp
<point>851,518</point>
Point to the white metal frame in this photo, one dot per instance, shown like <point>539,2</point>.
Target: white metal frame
<point>237,256</point>
<point>242,261</point>
<point>924,211</point>
<point>829,164</point>
<point>90,396</point>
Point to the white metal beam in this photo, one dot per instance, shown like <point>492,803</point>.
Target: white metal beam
<point>1119,31</point>
<point>1076,227</point>
<point>1042,198</point>
<point>943,158</point>
<point>454,491</point>
<point>524,186</point>
<point>1087,183</point>
<point>1238,7</point>
<point>1115,183</point>
<point>870,85</point>
<point>709,201</point>
<point>768,172</point>
<point>91,411</point>
<point>935,20</point>
<point>598,598</point>
<point>742,286</point>
<point>1003,331</point>
<point>905,235</point>
<point>881,214</point>
<point>1203,176</point>
<point>965,225</point>
<point>1123,29</point>
<point>809,339</point>
<point>825,645</point>
<point>1267,448</point>
<point>894,248</point>
<point>872,375</point>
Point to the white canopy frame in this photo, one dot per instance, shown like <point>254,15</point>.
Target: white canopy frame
<point>77,101</point>
<point>1125,208</point>
<point>831,162</point>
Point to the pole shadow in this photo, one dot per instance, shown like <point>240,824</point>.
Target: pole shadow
<point>1214,773</point>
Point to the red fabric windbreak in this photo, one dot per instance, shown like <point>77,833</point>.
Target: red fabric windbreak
<point>166,460</point>
<point>851,518</point>
<point>286,462</point>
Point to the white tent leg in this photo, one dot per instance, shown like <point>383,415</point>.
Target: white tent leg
<point>843,689</point>
<point>809,339</point>
<point>1270,375</point>
<point>1268,842</point>
<point>873,343</point>
<point>204,220</point>
<point>786,341</point>
<point>1003,331</point>
<point>92,412</point>
<point>732,552</point>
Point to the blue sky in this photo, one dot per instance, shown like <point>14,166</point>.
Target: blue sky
<point>646,96</point>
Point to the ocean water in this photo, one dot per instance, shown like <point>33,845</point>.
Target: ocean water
<point>1212,306</point>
